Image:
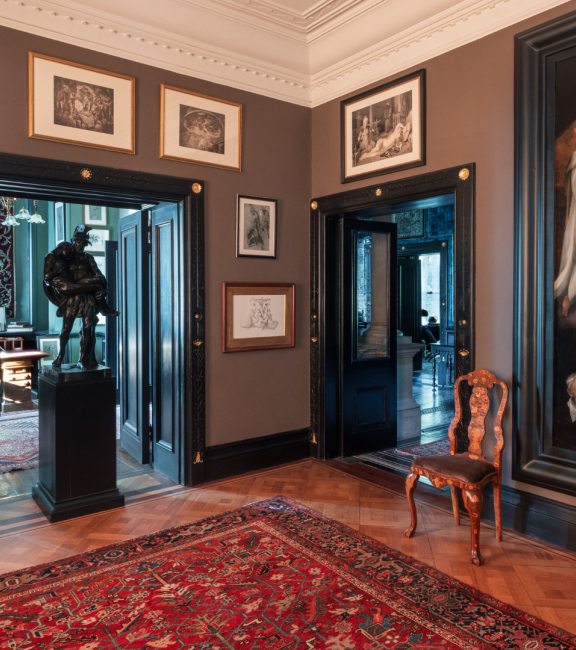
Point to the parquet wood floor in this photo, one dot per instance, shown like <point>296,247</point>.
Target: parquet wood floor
<point>527,574</point>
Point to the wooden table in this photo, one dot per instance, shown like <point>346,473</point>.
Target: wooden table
<point>17,367</point>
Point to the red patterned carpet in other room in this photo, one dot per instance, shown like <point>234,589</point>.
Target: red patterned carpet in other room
<point>273,575</point>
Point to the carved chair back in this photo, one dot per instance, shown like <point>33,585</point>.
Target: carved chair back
<point>480,381</point>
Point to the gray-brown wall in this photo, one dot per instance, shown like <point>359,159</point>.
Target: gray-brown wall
<point>470,119</point>
<point>248,394</point>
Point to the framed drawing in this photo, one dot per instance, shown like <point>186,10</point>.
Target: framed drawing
<point>384,129</point>
<point>76,104</point>
<point>50,344</point>
<point>98,239</point>
<point>256,227</point>
<point>199,129</point>
<point>95,215</point>
<point>544,385</point>
<point>257,316</point>
<point>59,222</point>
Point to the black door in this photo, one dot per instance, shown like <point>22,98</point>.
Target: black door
<point>111,337</point>
<point>134,334</point>
<point>368,377</point>
<point>410,302</point>
<point>166,333</point>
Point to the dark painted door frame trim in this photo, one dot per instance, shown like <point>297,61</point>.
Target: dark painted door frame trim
<point>365,202</point>
<point>55,180</point>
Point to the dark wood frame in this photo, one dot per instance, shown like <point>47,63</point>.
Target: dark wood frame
<point>247,288</point>
<point>256,198</point>
<point>55,180</point>
<point>365,202</point>
<point>421,74</point>
<point>535,459</point>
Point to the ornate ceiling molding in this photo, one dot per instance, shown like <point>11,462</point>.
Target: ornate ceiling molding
<point>280,72</point>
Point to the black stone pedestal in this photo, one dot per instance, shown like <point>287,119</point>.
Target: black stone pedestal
<point>77,443</point>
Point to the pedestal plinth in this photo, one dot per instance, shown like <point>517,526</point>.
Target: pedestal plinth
<point>409,418</point>
<point>77,443</point>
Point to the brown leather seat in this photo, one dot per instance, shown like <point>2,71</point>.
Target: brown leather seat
<point>461,468</point>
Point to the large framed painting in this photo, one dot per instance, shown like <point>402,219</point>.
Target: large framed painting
<point>544,389</point>
<point>198,129</point>
<point>257,316</point>
<point>256,227</point>
<point>384,129</point>
<point>77,104</point>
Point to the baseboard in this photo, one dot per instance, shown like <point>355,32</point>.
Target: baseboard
<point>232,458</point>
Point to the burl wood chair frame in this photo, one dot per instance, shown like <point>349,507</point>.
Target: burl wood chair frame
<point>455,468</point>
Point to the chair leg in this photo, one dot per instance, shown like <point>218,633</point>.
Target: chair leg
<point>455,506</point>
<point>498,511</point>
<point>411,481</point>
<point>473,502</point>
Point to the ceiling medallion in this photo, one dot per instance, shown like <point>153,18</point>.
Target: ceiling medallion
<point>86,173</point>
<point>464,173</point>
<point>196,188</point>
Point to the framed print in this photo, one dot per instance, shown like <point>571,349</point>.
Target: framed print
<point>383,130</point>
<point>199,129</point>
<point>544,383</point>
<point>256,227</point>
<point>95,215</point>
<point>59,222</point>
<point>257,316</point>
<point>76,104</point>
<point>98,239</point>
<point>50,344</point>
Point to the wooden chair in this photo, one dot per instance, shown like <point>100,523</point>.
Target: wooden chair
<point>469,471</point>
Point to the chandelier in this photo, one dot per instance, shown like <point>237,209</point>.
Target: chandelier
<point>12,220</point>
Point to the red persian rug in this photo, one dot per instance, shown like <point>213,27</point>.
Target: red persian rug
<point>437,448</point>
<point>18,442</point>
<point>273,575</point>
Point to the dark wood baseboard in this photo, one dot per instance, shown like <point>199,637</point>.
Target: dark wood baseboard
<point>538,517</point>
<point>244,456</point>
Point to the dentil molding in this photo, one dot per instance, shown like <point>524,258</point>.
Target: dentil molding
<point>303,41</point>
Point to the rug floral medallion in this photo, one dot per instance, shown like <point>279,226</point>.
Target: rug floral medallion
<point>273,576</point>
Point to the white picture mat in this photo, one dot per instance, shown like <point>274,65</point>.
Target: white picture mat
<point>271,205</point>
<point>89,211</point>
<point>413,156</point>
<point>98,239</point>
<point>44,73</point>
<point>241,310</point>
<point>172,101</point>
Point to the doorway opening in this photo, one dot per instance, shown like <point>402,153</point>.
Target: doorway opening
<point>147,241</point>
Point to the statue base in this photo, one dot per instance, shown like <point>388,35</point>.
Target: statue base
<point>77,443</point>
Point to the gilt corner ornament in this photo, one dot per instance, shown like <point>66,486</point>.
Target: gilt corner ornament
<point>378,192</point>
<point>314,205</point>
<point>86,173</point>
<point>196,188</point>
<point>464,173</point>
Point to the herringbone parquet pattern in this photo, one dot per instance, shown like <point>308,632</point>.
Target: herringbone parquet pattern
<point>537,579</point>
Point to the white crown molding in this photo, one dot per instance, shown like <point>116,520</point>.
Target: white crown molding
<point>326,25</point>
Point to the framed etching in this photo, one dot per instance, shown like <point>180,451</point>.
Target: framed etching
<point>76,104</point>
<point>198,129</point>
<point>95,215</point>
<point>256,227</point>
<point>59,222</point>
<point>98,239</point>
<point>544,386</point>
<point>257,316</point>
<point>384,129</point>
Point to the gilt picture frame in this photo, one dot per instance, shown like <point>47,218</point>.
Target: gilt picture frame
<point>200,129</point>
<point>383,130</point>
<point>81,105</point>
<point>257,316</point>
<point>256,220</point>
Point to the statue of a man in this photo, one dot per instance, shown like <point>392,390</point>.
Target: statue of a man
<point>73,282</point>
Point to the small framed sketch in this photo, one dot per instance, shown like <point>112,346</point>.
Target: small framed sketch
<point>76,104</point>
<point>256,227</point>
<point>95,215</point>
<point>199,129</point>
<point>257,316</point>
<point>383,129</point>
<point>49,344</point>
<point>98,239</point>
<point>59,222</point>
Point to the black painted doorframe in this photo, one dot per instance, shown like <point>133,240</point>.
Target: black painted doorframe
<point>54,180</point>
<point>367,202</point>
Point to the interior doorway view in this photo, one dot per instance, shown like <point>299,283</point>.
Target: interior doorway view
<point>425,309</point>
<point>135,251</point>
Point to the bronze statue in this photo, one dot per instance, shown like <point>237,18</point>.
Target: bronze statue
<point>73,282</point>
